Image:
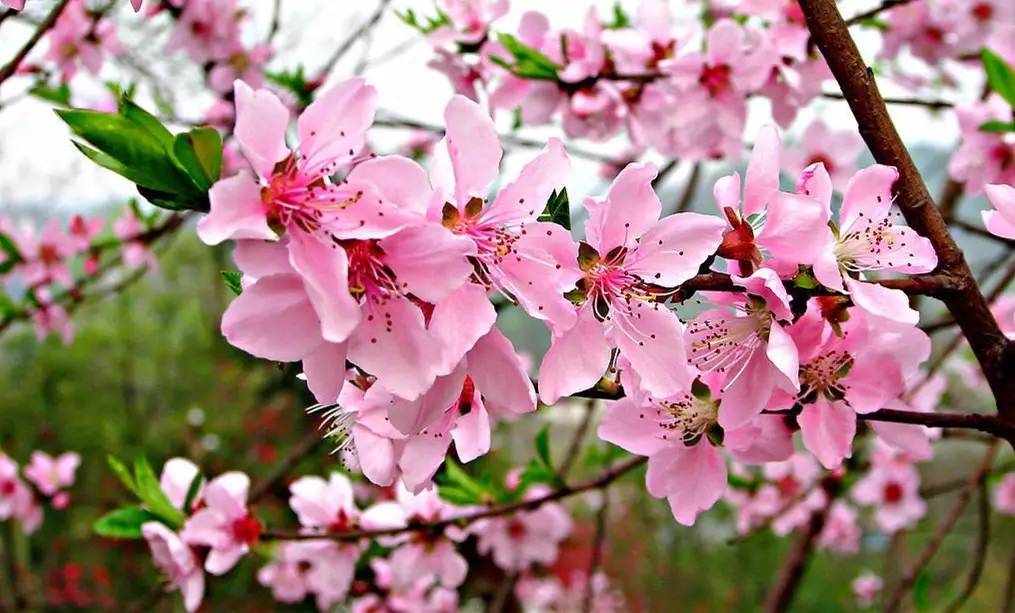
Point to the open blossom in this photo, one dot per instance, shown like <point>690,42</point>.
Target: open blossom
<point>868,238</point>
<point>79,38</point>
<point>50,317</point>
<point>49,474</point>
<point>136,252</point>
<point>349,276</point>
<point>246,65</point>
<point>16,499</point>
<point>891,487</point>
<point>1001,220</point>
<point>421,596</point>
<point>842,531</point>
<point>224,524</point>
<point>470,20</point>
<point>177,476</point>
<point>515,254</point>
<point>177,562</point>
<point>520,540</point>
<point>983,157</point>
<point>393,437</point>
<point>836,150</point>
<point>866,587</point>
<point>629,264</point>
<point>748,346</point>
<point>684,465</point>
<point>421,556</point>
<point>1004,494</point>
<point>206,29</point>
<point>786,500</point>
<point>44,254</point>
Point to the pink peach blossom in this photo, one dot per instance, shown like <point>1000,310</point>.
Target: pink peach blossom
<point>224,524</point>
<point>49,474</point>
<point>177,562</point>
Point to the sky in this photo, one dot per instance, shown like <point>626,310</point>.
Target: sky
<point>39,167</point>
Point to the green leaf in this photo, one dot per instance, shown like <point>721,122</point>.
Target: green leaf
<point>232,279</point>
<point>1000,76</point>
<point>145,120</point>
<point>123,523</point>
<point>460,487</point>
<point>122,473</point>
<point>529,63</point>
<point>56,95</point>
<point>428,25</point>
<point>195,487</point>
<point>8,247</point>
<point>543,446</point>
<point>132,150</point>
<point>921,592</point>
<point>296,82</point>
<point>875,23</point>
<point>151,494</point>
<point>998,127</point>
<point>557,209</point>
<point>620,18</point>
<point>200,153</point>
<point>805,280</point>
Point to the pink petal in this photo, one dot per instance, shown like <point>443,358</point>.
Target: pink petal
<point>782,353</point>
<point>259,258</point>
<point>691,478</point>
<point>868,195</point>
<point>796,229</point>
<point>537,274</point>
<point>273,319</point>
<point>576,360</point>
<point>827,429</point>
<point>261,124</point>
<point>428,260</point>
<point>761,182</point>
<point>221,561</point>
<point>228,493</point>
<point>747,395</point>
<point>815,183</point>
<point>421,458</point>
<point>727,192</point>
<point>524,198</point>
<point>376,456</point>
<point>629,209</point>
<point>632,427</point>
<point>673,250</point>
<point>236,212</point>
<point>473,148</point>
<point>411,417</point>
<point>325,271</point>
<point>892,304</point>
<point>652,340</point>
<point>764,439</point>
<point>325,371</point>
<point>500,376</point>
<point>873,380</point>
<point>459,321</point>
<point>399,180</point>
<point>333,127</point>
<point>472,432</point>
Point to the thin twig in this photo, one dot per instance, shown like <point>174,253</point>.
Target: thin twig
<point>687,197</point>
<point>574,449</point>
<point>930,104</point>
<point>908,579</point>
<point>598,543</point>
<point>307,444</point>
<point>874,12</point>
<point>982,232</point>
<point>979,552</point>
<point>12,66</point>
<point>566,491</point>
<point>358,33</point>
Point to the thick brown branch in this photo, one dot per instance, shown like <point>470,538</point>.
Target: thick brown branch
<point>603,480</point>
<point>966,303</point>
<point>12,66</point>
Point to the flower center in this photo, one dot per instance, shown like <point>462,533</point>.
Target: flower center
<point>893,492</point>
<point>246,529</point>
<point>369,277</point>
<point>822,375</point>
<point>690,416</point>
<point>716,79</point>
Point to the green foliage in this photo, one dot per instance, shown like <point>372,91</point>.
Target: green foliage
<point>123,523</point>
<point>232,279</point>
<point>11,254</point>
<point>295,81</point>
<point>59,95</point>
<point>457,487</point>
<point>805,280</point>
<point>528,63</point>
<point>172,172</point>
<point>998,127</point>
<point>620,18</point>
<point>557,209</point>
<point>1000,76</point>
<point>428,24</point>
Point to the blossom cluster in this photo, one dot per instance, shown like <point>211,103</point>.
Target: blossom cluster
<point>44,271</point>
<point>44,477</point>
<point>418,570</point>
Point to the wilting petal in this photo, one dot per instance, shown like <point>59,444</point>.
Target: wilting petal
<point>473,148</point>
<point>827,429</point>
<point>236,212</point>
<point>261,124</point>
<point>576,360</point>
<point>629,209</point>
<point>673,249</point>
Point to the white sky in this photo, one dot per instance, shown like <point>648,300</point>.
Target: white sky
<point>39,167</point>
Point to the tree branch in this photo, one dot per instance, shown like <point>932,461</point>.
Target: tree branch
<point>979,553</point>
<point>12,66</point>
<point>995,354</point>
<point>894,601</point>
<point>566,491</point>
<point>874,12</point>
<point>307,444</point>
